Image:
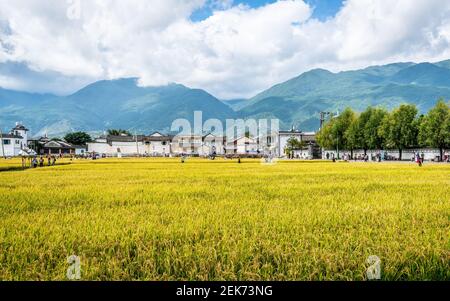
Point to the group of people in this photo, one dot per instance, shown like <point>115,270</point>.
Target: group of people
<point>418,157</point>
<point>35,162</point>
<point>373,157</point>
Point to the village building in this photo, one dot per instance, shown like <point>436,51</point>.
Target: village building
<point>160,145</point>
<point>156,145</point>
<point>247,146</point>
<point>310,151</point>
<point>118,146</point>
<point>213,145</point>
<point>46,146</point>
<point>12,144</point>
<point>187,145</point>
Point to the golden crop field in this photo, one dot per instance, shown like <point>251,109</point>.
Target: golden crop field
<point>158,219</point>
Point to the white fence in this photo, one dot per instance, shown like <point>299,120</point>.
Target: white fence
<point>407,155</point>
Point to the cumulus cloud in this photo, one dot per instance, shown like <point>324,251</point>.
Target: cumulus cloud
<point>236,52</point>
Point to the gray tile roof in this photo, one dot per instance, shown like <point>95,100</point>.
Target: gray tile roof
<point>10,136</point>
<point>20,127</point>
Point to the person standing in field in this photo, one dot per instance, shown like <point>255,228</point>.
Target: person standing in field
<point>418,160</point>
<point>34,162</point>
<point>41,162</point>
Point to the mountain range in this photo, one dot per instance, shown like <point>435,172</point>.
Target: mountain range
<point>297,102</point>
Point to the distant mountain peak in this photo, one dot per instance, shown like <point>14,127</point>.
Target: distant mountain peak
<point>301,99</point>
<point>123,103</point>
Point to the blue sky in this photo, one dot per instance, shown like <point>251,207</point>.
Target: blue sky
<point>323,9</point>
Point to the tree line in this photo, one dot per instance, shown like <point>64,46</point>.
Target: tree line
<point>378,129</point>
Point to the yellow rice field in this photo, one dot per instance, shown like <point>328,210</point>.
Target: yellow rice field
<point>158,219</point>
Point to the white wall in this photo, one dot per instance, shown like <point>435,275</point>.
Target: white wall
<point>80,152</point>
<point>12,149</point>
<point>302,154</point>
<point>430,154</point>
<point>99,148</point>
<point>130,148</point>
<point>156,148</point>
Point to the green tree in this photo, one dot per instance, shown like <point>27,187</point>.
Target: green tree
<point>326,137</point>
<point>78,138</point>
<point>361,138</point>
<point>342,124</point>
<point>333,134</point>
<point>434,128</point>
<point>400,128</point>
<point>352,136</point>
<point>294,144</point>
<point>118,132</point>
<point>372,137</point>
<point>447,130</point>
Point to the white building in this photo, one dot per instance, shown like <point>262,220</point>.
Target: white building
<point>278,144</point>
<point>13,143</point>
<point>243,146</point>
<point>156,145</point>
<point>118,146</point>
<point>159,145</point>
<point>190,145</point>
<point>213,144</point>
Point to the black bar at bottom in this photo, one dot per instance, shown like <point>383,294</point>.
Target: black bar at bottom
<point>225,290</point>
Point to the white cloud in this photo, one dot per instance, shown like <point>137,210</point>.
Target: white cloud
<point>221,4</point>
<point>236,52</point>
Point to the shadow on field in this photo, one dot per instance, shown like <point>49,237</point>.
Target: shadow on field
<point>20,168</point>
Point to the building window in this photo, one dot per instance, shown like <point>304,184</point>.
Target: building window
<point>164,143</point>
<point>6,141</point>
<point>17,142</point>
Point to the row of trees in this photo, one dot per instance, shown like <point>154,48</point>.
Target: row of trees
<point>376,128</point>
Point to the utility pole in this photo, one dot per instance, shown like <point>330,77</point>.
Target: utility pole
<point>323,116</point>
